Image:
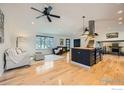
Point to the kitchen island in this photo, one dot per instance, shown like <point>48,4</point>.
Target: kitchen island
<point>86,56</point>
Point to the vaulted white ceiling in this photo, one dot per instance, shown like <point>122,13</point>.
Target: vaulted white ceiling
<point>70,23</point>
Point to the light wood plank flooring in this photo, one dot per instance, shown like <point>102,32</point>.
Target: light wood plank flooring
<point>110,71</point>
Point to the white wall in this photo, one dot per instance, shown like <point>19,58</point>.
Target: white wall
<point>6,44</point>
<point>102,35</point>
<point>30,39</point>
<point>29,42</point>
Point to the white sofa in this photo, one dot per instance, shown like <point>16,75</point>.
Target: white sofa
<point>15,57</point>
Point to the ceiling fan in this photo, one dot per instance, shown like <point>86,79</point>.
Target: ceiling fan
<point>46,13</point>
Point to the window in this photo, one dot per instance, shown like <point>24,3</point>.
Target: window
<point>44,42</point>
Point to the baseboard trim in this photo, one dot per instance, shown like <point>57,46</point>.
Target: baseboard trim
<point>81,65</point>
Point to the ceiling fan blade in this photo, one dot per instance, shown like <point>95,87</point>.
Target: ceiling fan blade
<point>49,19</point>
<point>39,16</point>
<point>36,9</point>
<point>54,16</point>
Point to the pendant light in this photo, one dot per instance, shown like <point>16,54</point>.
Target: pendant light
<point>85,29</point>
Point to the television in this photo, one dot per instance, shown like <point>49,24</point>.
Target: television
<point>77,42</point>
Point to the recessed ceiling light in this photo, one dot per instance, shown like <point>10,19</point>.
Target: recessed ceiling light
<point>32,23</point>
<point>120,12</point>
<point>119,23</point>
<point>120,18</point>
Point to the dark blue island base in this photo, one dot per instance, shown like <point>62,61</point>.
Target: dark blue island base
<point>86,56</point>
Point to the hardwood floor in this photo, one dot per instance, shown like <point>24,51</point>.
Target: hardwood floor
<point>110,71</point>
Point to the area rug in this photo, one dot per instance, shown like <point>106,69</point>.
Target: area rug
<point>53,57</point>
<point>48,63</point>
